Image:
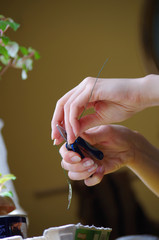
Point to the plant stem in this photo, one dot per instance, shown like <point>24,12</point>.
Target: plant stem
<point>5,68</point>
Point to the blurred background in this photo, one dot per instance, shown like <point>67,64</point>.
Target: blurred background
<point>74,38</point>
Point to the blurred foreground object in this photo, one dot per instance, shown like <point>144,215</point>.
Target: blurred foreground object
<point>150,35</point>
<point>138,237</point>
<point>8,204</point>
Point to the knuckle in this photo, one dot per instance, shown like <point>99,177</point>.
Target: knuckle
<point>110,129</point>
<point>63,151</point>
<point>60,151</point>
<point>73,105</point>
<point>89,81</point>
<point>65,165</point>
<point>59,103</point>
<point>66,106</point>
<point>71,176</point>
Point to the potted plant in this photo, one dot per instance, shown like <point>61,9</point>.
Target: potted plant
<point>12,55</point>
<point>6,202</point>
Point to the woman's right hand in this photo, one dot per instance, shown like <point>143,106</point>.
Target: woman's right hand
<point>113,100</point>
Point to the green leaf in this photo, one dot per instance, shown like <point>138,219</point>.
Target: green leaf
<point>7,194</point>
<point>13,24</point>
<point>4,60</point>
<point>3,25</point>
<point>6,178</point>
<point>0,68</point>
<point>10,22</point>
<point>1,16</point>
<point>4,52</point>
<point>5,40</point>
<point>36,55</point>
<point>24,50</point>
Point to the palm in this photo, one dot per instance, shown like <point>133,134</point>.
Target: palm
<point>116,144</point>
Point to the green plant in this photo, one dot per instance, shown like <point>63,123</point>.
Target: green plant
<point>15,56</point>
<point>6,202</point>
<point>11,53</point>
<point>3,180</point>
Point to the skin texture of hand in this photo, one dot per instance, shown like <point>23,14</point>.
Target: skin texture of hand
<point>113,100</point>
<point>121,147</point>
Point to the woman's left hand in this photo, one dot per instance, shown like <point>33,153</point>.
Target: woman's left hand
<point>117,144</point>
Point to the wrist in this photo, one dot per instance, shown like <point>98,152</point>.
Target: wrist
<point>144,153</point>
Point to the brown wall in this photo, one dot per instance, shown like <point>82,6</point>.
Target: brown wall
<point>74,38</point>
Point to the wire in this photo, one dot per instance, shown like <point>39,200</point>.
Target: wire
<point>93,88</point>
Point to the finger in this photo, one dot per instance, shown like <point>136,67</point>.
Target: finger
<point>77,94</point>
<point>58,116</point>
<point>69,156</point>
<point>77,106</point>
<point>82,175</point>
<point>82,166</point>
<point>105,113</point>
<point>89,121</point>
<point>58,141</point>
<point>96,177</point>
<point>98,134</point>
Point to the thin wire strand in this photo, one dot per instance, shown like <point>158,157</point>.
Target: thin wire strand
<point>93,89</point>
<point>65,172</point>
<point>69,188</point>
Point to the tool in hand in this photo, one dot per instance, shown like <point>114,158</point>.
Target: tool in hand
<point>81,146</point>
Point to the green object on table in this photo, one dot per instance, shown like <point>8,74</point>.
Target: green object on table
<point>91,234</point>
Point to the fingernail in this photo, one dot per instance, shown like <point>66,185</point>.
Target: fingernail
<point>88,163</point>
<point>92,168</point>
<point>75,159</point>
<point>100,169</point>
<point>52,136</point>
<point>54,142</point>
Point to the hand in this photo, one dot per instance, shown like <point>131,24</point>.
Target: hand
<point>117,145</point>
<point>113,100</point>
<point>121,147</point>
